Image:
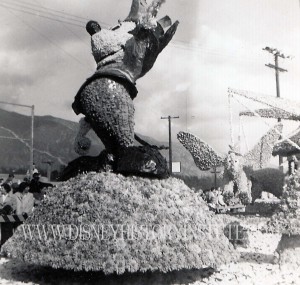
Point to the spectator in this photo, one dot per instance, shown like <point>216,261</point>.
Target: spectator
<point>26,179</point>
<point>18,196</point>
<point>34,170</point>
<point>205,194</point>
<point>9,201</point>
<point>3,194</point>
<point>10,179</point>
<point>14,187</point>
<point>9,207</point>
<point>221,198</point>
<point>36,186</point>
<point>27,200</point>
<point>222,207</point>
<point>212,198</point>
<point>210,195</point>
<point>200,192</point>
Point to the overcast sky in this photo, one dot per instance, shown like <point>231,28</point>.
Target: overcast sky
<point>218,45</point>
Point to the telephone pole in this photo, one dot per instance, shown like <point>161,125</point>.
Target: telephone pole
<point>170,141</point>
<point>278,69</point>
<point>215,172</point>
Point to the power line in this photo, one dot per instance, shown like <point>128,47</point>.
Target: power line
<point>176,43</point>
<point>64,20</point>
<point>41,16</point>
<point>67,18</point>
<point>67,28</point>
<point>215,53</point>
<point>15,5</point>
<point>49,40</point>
<point>46,11</point>
<point>46,8</point>
<point>179,44</point>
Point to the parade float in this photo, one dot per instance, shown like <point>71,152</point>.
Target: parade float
<point>239,170</point>
<point>246,176</point>
<point>284,222</point>
<point>280,227</point>
<point>120,211</point>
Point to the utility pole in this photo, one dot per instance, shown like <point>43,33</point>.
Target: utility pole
<point>215,172</point>
<point>278,69</point>
<point>170,141</point>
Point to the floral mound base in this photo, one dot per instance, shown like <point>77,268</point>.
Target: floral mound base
<point>286,221</point>
<point>111,223</point>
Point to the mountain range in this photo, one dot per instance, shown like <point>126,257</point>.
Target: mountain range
<point>53,144</point>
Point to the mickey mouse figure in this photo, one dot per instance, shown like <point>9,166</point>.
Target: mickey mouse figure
<point>123,54</point>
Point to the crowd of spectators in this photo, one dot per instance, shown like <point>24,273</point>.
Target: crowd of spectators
<point>214,198</point>
<point>20,198</point>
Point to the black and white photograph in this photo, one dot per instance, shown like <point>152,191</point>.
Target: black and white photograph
<point>149,142</point>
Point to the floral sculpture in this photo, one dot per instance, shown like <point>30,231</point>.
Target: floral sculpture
<point>272,113</point>
<point>123,54</point>
<point>286,221</point>
<point>115,224</point>
<point>290,146</point>
<point>239,169</point>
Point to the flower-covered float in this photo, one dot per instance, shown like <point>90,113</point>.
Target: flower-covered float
<point>286,221</point>
<point>100,220</point>
<point>242,174</point>
<point>272,113</point>
<point>111,223</point>
<point>286,148</point>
